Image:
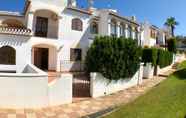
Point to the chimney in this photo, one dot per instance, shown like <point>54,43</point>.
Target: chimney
<point>133,18</point>
<point>91,5</point>
<point>72,3</point>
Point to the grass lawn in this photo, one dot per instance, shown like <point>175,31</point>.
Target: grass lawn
<point>167,100</point>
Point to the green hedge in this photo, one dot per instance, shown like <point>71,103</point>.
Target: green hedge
<point>115,58</point>
<point>165,58</point>
<point>171,43</point>
<point>149,55</point>
<point>155,56</point>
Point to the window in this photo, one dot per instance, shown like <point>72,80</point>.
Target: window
<point>136,33</point>
<point>130,32</point>
<point>75,54</point>
<point>41,27</point>
<point>122,30</point>
<point>113,28</point>
<point>94,28</point>
<point>7,55</point>
<point>77,24</point>
<point>153,34</point>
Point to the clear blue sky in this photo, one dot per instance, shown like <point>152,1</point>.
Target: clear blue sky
<point>155,11</point>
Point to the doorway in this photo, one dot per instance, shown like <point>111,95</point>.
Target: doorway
<point>41,56</point>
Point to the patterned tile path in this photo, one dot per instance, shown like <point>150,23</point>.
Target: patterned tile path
<point>84,108</point>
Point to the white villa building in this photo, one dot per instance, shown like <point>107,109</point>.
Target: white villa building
<point>55,34</point>
<point>153,36</point>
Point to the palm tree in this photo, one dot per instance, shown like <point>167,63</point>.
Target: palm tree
<point>171,23</point>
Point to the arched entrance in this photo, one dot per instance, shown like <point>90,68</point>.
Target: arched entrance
<point>7,55</point>
<point>44,57</point>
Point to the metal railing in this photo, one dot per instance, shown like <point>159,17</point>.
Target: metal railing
<point>72,66</point>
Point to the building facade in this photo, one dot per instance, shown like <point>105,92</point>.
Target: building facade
<point>54,35</point>
<point>153,36</point>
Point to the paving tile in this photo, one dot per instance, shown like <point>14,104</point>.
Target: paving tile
<point>3,115</point>
<point>20,116</point>
<point>31,115</point>
<point>11,115</point>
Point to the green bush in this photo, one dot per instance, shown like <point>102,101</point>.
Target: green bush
<point>165,58</point>
<point>115,58</point>
<point>149,55</point>
<point>155,56</point>
<point>171,45</point>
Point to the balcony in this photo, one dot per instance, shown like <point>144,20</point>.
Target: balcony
<point>15,31</point>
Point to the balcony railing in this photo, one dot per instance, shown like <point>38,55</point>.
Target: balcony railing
<point>15,31</point>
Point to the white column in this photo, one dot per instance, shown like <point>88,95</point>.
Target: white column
<point>133,33</point>
<point>126,31</point>
<point>30,20</point>
<point>58,63</point>
<point>118,29</point>
<point>60,27</point>
<point>109,27</point>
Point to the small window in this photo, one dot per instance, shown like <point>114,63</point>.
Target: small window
<point>7,55</point>
<point>75,54</point>
<point>77,24</point>
<point>94,28</point>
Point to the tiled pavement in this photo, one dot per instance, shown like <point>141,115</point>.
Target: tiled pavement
<point>84,108</point>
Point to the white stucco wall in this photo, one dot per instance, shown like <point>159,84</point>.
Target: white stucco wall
<point>148,71</point>
<point>161,71</point>
<point>71,38</point>
<point>31,90</point>
<point>23,91</point>
<point>59,3</point>
<point>100,86</point>
<point>22,47</point>
<point>60,91</point>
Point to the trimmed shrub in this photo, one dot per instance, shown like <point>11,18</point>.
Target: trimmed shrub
<point>149,55</point>
<point>171,45</point>
<point>165,58</point>
<point>155,56</point>
<point>115,58</point>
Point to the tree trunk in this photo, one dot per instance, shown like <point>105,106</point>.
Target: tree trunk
<point>172,29</point>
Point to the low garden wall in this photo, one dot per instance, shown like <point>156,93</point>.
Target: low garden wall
<point>60,91</point>
<point>23,90</point>
<point>179,57</point>
<point>100,86</point>
<point>148,71</point>
<point>10,68</point>
<point>161,71</point>
<point>31,90</point>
